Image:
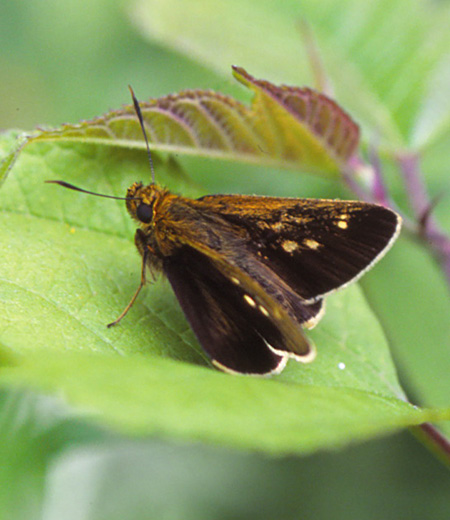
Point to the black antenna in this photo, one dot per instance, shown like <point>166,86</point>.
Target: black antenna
<point>141,122</point>
<point>72,187</point>
<point>137,108</point>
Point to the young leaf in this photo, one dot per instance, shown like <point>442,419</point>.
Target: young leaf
<point>378,58</point>
<point>285,126</point>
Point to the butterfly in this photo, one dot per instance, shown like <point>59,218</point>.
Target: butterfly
<point>252,272</point>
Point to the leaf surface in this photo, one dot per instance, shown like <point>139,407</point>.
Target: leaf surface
<point>69,267</point>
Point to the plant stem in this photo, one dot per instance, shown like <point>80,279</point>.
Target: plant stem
<point>422,206</point>
<point>434,440</point>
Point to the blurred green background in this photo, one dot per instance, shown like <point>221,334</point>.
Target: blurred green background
<point>63,61</point>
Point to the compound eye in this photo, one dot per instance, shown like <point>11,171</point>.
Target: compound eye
<point>144,213</point>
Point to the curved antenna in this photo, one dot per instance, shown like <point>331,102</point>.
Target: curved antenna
<point>72,187</point>
<point>137,108</point>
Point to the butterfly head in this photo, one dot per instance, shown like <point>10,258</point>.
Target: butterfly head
<point>141,201</point>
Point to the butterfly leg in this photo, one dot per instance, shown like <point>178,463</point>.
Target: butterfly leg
<point>133,299</point>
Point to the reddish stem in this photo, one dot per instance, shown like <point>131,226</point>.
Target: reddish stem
<point>435,441</point>
<point>421,205</point>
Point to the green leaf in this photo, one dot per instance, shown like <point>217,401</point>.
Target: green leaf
<point>410,295</point>
<point>286,126</point>
<point>69,266</point>
<point>153,396</point>
<point>57,462</point>
<point>379,59</point>
<point>11,146</point>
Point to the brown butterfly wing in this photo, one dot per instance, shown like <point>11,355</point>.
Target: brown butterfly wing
<point>315,245</point>
<point>245,317</point>
<point>233,334</point>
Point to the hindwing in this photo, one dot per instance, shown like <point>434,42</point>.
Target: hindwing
<point>239,323</point>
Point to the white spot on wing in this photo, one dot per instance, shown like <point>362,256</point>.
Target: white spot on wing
<point>278,226</point>
<point>289,246</point>
<point>312,244</point>
<point>249,300</point>
<point>263,310</point>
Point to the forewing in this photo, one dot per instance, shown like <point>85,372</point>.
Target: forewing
<point>238,324</point>
<point>315,245</point>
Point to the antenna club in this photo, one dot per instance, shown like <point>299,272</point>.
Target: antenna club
<point>137,109</point>
<point>75,188</point>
